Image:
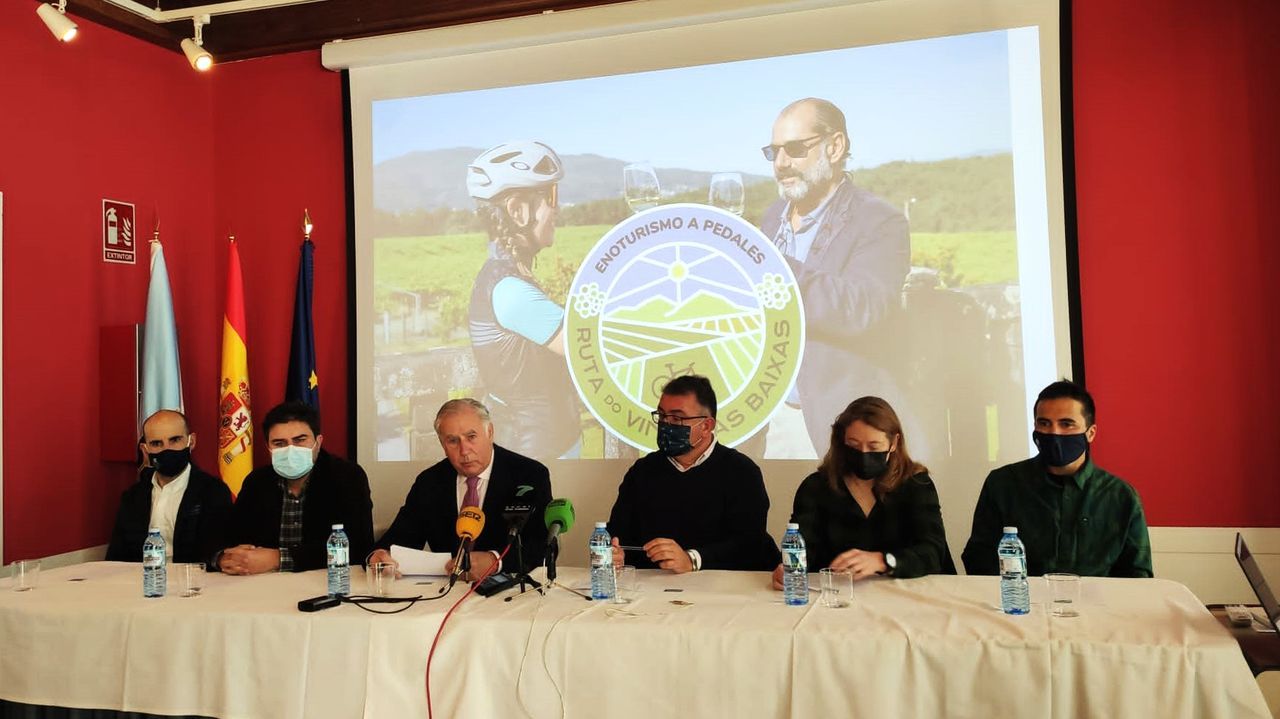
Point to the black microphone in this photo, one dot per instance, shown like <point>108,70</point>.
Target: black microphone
<point>516,515</point>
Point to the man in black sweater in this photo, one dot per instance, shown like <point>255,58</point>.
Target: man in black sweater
<point>693,504</point>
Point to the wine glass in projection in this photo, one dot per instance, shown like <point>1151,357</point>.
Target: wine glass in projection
<point>726,192</point>
<point>640,186</point>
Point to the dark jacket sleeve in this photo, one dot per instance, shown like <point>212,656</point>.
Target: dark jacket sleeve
<point>979,554</point>
<point>120,549</point>
<point>534,535</point>
<point>240,529</point>
<point>806,510</point>
<point>411,525</point>
<point>216,522</point>
<point>745,542</point>
<point>923,515</point>
<point>1135,554</point>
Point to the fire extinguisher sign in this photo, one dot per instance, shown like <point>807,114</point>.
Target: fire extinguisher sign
<point>118,240</point>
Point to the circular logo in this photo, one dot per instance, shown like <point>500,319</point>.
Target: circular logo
<point>683,289</point>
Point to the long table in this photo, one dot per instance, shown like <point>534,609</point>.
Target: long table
<point>709,644</point>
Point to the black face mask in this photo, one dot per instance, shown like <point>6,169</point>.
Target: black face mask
<point>171,462</point>
<point>1059,450</point>
<point>673,439</point>
<point>865,465</point>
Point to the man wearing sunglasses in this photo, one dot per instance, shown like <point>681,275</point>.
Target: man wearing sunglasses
<point>516,328</point>
<point>694,504</point>
<point>850,252</point>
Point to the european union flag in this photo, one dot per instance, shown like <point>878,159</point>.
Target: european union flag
<point>302,383</point>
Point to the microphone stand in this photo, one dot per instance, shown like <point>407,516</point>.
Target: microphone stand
<point>526,582</point>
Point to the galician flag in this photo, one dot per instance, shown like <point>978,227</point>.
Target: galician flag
<point>161,378</point>
<point>235,424</point>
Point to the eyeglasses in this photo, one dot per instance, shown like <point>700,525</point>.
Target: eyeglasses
<point>660,418</point>
<point>795,149</point>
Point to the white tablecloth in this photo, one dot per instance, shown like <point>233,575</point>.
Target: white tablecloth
<point>931,647</point>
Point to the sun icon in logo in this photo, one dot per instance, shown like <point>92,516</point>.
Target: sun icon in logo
<point>678,271</point>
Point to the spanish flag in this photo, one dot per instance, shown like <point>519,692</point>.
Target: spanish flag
<point>235,425</point>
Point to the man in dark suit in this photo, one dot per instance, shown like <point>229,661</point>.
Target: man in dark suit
<point>190,507</point>
<point>475,472</point>
<point>850,252</point>
<point>284,514</point>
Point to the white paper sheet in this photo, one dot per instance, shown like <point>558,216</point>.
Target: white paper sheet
<point>415,562</point>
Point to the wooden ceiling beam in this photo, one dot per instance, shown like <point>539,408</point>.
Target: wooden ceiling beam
<point>260,33</point>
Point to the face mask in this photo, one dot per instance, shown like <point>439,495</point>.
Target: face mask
<point>673,439</point>
<point>291,462</point>
<point>171,462</point>
<point>865,465</point>
<point>1059,450</point>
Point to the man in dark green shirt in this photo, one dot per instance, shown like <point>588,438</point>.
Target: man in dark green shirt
<point>1072,515</point>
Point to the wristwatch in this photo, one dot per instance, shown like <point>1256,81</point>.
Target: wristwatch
<point>890,561</point>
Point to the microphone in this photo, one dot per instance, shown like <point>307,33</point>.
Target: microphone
<point>515,516</point>
<point>559,519</point>
<point>468,526</point>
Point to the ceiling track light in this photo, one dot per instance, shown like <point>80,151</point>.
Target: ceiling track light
<point>62,27</point>
<point>193,47</point>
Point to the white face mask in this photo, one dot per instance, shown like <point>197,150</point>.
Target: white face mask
<point>292,462</point>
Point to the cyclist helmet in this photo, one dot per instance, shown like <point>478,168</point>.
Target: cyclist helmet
<point>511,165</point>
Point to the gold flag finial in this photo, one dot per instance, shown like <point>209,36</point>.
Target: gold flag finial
<point>306,224</point>
<point>155,234</point>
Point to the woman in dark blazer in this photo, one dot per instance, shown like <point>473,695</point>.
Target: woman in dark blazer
<point>870,509</point>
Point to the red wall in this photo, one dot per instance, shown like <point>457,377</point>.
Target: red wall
<point>1177,111</point>
<point>1176,116</point>
<point>109,116</point>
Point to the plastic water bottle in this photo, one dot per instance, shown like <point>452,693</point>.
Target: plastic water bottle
<point>339,562</point>
<point>1014,595</point>
<point>795,568</point>
<point>155,574</point>
<point>602,578</point>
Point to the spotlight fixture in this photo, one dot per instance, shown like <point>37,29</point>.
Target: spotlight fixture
<point>56,19</point>
<point>193,47</point>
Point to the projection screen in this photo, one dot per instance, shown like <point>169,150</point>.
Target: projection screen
<point>672,248</point>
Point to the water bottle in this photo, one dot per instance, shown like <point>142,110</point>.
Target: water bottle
<point>795,568</point>
<point>155,575</point>
<point>339,562</point>
<point>1014,595</point>
<point>602,579</point>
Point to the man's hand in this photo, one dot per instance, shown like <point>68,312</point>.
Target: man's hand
<point>248,559</point>
<point>861,564</point>
<point>777,577</point>
<point>667,554</point>
<point>382,556</point>
<point>480,564</point>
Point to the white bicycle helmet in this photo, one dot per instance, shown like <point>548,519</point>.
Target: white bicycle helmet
<point>517,164</point>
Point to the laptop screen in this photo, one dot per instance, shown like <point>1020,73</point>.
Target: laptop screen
<point>1254,574</point>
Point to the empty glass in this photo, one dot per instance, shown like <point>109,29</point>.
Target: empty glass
<point>192,579</point>
<point>26,574</point>
<point>1064,589</point>
<point>625,585</point>
<point>381,577</point>
<point>837,588</point>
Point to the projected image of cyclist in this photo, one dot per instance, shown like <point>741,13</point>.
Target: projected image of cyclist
<point>516,328</point>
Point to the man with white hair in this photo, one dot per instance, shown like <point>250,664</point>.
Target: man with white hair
<point>850,252</point>
<point>474,473</point>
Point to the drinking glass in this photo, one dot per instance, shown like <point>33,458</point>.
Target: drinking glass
<point>726,192</point>
<point>26,574</point>
<point>1064,589</point>
<point>192,579</point>
<point>381,577</point>
<point>837,587</point>
<point>625,585</point>
<point>640,186</point>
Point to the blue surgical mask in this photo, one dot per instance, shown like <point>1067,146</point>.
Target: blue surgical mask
<point>1059,450</point>
<point>673,439</point>
<point>292,461</point>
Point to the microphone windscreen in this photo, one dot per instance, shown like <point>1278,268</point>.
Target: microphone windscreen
<point>470,523</point>
<point>559,511</point>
